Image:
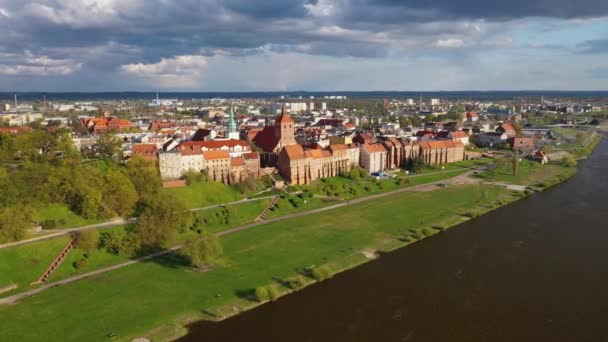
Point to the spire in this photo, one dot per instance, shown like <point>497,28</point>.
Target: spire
<point>284,117</point>
<point>232,126</point>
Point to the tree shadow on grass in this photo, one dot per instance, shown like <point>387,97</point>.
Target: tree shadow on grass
<point>172,260</point>
<point>246,294</point>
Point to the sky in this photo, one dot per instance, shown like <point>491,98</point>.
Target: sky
<point>313,45</point>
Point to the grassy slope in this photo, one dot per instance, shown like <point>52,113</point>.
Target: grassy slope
<point>63,216</point>
<point>570,132</point>
<point>199,195</point>
<point>138,298</point>
<point>43,252</point>
<point>22,265</point>
<point>25,264</point>
<point>530,173</point>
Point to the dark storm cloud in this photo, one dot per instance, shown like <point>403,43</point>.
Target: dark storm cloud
<point>105,35</point>
<point>484,9</point>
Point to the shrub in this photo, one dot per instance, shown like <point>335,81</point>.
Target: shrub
<point>297,283</point>
<point>568,161</point>
<point>321,273</point>
<point>273,292</point>
<point>428,231</point>
<point>87,240</point>
<point>261,294</point>
<point>80,263</point>
<point>113,242</point>
<point>48,224</point>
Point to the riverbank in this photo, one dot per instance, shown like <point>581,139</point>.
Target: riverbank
<point>166,288</point>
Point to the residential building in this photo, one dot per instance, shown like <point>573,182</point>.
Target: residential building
<point>148,151</point>
<point>461,136</point>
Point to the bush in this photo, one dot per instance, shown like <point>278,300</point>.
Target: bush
<point>113,242</point>
<point>568,161</point>
<point>87,240</point>
<point>203,251</point>
<point>297,283</point>
<point>321,273</point>
<point>428,231</point>
<point>80,263</point>
<point>48,224</point>
<point>261,294</point>
<point>273,292</point>
<point>196,177</point>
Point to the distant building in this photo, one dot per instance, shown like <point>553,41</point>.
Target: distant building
<point>148,151</point>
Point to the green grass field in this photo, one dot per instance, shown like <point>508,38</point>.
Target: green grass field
<point>61,215</point>
<point>132,301</point>
<point>198,195</point>
<point>530,173</point>
<point>570,132</point>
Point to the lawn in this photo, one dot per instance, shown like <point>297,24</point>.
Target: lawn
<point>132,301</point>
<point>345,188</point>
<point>198,195</point>
<point>570,133</point>
<point>24,264</point>
<point>530,173</point>
<point>59,215</point>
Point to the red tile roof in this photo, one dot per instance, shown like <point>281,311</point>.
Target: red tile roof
<point>237,161</point>
<point>251,155</point>
<point>212,155</point>
<point>374,148</point>
<point>295,152</point>
<point>146,150</point>
<point>284,117</point>
<point>459,135</point>
<point>266,139</point>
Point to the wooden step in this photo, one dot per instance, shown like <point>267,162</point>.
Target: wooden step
<point>56,262</point>
<point>266,210</point>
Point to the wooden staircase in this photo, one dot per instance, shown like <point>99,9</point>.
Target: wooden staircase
<point>55,264</point>
<point>266,210</point>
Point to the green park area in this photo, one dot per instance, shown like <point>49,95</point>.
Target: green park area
<point>530,173</point>
<point>137,299</point>
<point>204,194</point>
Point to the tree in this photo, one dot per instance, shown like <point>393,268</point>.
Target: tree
<point>144,176</point>
<point>516,162</point>
<point>109,147</point>
<point>518,128</point>
<point>161,219</point>
<point>87,240</point>
<point>203,251</point>
<point>119,193</point>
<point>14,222</point>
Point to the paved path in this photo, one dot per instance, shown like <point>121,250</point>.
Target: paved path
<point>17,297</point>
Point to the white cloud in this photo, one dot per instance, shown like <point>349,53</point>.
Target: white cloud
<point>177,72</point>
<point>4,13</point>
<point>449,43</point>
<point>29,64</point>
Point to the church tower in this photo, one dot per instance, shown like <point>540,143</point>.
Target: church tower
<point>233,130</point>
<point>285,129</point>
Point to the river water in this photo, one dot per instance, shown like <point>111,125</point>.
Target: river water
<point>536,270</point>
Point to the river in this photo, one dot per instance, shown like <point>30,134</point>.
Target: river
<point>535,270</point>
